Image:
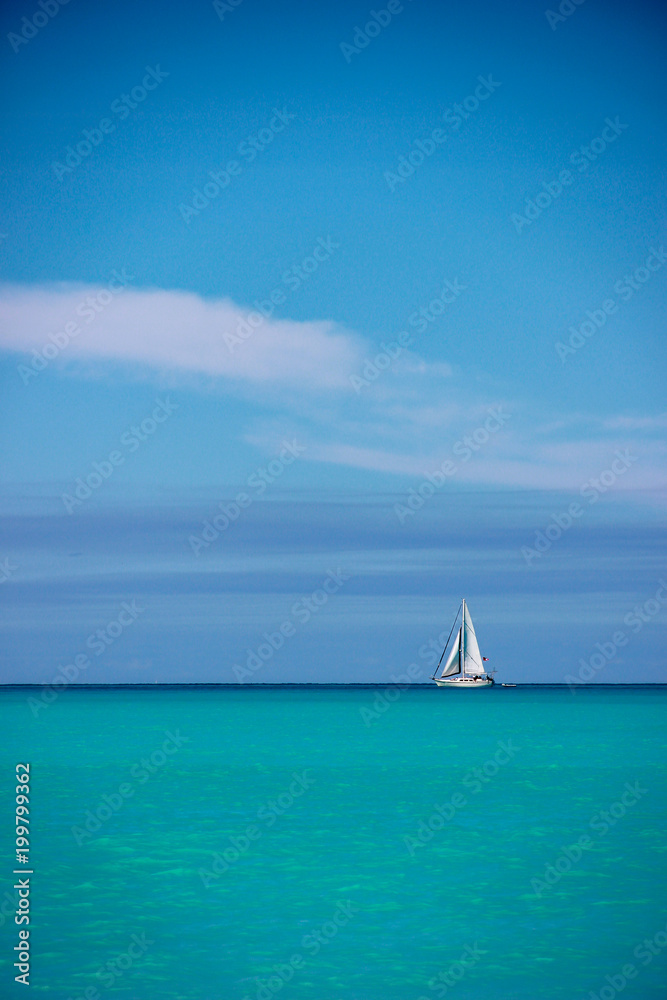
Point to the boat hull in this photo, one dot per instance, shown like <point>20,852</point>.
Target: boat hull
<point>464,683</point>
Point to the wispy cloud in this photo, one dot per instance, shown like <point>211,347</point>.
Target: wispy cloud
<point>410,416</point>
<point>654,423</point>
<point>177,331</point>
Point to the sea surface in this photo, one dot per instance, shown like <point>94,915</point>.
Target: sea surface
<point>230,843</point>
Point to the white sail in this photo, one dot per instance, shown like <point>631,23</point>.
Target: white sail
<point>473,663</point>
<point>452,664</point>
<point>464,669</point>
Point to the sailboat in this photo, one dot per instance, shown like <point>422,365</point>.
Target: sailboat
<point>464,667</point>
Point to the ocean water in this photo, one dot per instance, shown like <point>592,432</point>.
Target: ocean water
<point>287,842</point>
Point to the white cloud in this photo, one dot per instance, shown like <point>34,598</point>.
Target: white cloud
<point>176,331</point>
<point>404,421</point>
<point>497,464</point>
<point>369,458</point>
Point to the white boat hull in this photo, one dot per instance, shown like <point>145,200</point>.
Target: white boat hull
<point>464,682</point>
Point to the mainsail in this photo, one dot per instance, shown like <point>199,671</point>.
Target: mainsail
<point>472,663</point>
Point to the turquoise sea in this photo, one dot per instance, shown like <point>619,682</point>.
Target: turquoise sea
<point>317,843</point>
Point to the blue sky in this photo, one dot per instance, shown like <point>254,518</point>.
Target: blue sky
<point>484,282</point>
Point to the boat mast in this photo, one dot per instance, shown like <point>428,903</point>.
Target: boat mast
<point>462,642</point>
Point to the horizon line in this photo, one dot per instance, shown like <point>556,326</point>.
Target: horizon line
<point>322,684</point>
